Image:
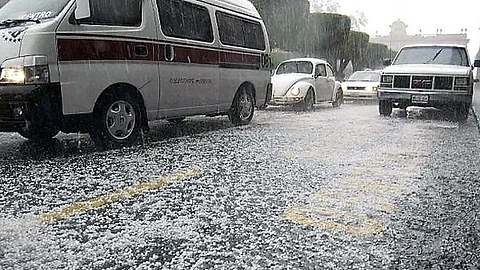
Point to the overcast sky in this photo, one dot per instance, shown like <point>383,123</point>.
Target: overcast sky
<point>424,15</point>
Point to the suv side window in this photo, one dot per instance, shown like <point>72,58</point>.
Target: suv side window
<point>181,19</point>
<point>114,13</point>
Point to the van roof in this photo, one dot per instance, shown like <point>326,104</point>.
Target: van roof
<point>242,6</point>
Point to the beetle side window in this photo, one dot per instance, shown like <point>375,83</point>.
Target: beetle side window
<point>321,70</point>
<point>240,32</point>
<point>181,19</point>
<point>114,13</point>
<point>330,72</point>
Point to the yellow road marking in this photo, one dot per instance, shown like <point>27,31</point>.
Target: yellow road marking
<point>116,196</point>
<point>314,216</point>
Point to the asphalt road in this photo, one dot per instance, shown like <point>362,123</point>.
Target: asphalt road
<point>329,189</point>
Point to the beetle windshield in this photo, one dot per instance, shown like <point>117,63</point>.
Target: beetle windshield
<point>365,76</point>
<point>435,55</point>
<point>295,67</point>
<point>24,10</point>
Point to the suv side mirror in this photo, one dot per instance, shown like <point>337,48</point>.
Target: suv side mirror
<point>476,63</point>
<point>83,9</point>
<point>387,62</point>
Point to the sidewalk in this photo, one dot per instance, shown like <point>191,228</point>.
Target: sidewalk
<point>476,103</point>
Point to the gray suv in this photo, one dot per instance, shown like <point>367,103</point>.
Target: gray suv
<point>428,76</point>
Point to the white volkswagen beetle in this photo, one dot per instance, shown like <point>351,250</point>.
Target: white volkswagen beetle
<point>302,82</point>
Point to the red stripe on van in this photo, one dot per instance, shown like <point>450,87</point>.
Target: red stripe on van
<point>99,49</point>
<point>85,49</point>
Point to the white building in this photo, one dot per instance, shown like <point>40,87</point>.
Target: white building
<point>398,37</point>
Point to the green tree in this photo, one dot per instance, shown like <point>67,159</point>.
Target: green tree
<point>328,38</point>
<point>284,20</point>
<point>357,51</point>
<point>376,53</point>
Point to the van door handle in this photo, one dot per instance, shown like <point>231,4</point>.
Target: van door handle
<point>141,51</point>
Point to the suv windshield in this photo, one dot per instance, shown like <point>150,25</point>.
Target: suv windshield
<point>295,67</point>
<point>435,55</point>
<point>25,10</point>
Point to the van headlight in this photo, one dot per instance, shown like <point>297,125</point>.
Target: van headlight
<point>25,70</point>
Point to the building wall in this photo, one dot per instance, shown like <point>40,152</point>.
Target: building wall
<point>398,37</point>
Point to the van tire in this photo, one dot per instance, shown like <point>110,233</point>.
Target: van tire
<point>243,107</point>
<point>38,134</point>
<point>116,121</point>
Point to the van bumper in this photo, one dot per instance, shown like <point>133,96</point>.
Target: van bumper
<point>23,104</point>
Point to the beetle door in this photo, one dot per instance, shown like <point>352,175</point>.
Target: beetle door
<point>321,82</point>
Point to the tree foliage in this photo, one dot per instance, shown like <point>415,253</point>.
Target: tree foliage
<point>284,20</point>
<point>328,35</point>
<point>357,50</point>
<point>376,53</point>
<point>294,29</point>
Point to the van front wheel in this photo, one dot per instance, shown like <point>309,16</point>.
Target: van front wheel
<point>243,107</point>
<point>116,122</point>
<point>37,133</point>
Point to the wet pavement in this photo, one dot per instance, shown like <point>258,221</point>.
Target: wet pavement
<point>329,189</point>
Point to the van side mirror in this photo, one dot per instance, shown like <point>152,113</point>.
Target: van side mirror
<point>83,9</point>
<point>387,62</point>
<point>476,63</point>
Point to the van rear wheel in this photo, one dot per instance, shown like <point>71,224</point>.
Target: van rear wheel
<point>243,107</point>
<point>116,121</point>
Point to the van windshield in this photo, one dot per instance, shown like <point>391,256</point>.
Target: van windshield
<point>31,10</point>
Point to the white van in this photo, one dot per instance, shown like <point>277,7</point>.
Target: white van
<point>107,67</point>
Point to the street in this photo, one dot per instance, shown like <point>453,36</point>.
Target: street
<point>335,188</point>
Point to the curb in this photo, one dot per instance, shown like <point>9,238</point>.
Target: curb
<point>475,115</point>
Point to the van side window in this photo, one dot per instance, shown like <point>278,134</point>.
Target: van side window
<point>114,13</point>
<point>241,32</point>
<point>183,19</point>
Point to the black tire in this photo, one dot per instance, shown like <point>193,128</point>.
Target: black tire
<point>338,99</point>
<point>385,107</point>
<point>307,102</point>
<point>38,133</point>
<point>460,112</point>
<point>116,122</point>
<point>243,107</point>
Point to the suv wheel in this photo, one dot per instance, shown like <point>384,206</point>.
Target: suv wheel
<point>461,112</point>
<point>385,107</point>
